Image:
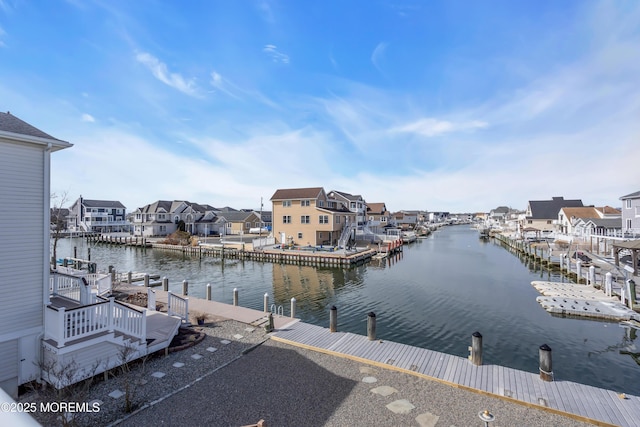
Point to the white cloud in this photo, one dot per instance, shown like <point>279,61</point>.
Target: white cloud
<point>161,72</point>
<point>221,84</point>
<point>378,54</point>
<point>275,54</point>
<point>88,118</point>
<point>430,127</point>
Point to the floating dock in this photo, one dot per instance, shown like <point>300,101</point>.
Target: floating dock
<point>570,299</point>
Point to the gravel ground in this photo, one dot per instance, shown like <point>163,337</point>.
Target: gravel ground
<point>243,382</point>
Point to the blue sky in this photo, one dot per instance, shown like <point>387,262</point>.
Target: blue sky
<point>442,105</point>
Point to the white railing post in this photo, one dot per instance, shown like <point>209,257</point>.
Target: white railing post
<point>592,275</point>
<point>608,278</point>
<point>151,299</point>
<point>293,307</point>
<point>110,313</point>
<point>62,327</point>
<point>169,302</point>
<point>143,326</point>
<point>578,270</point>
<point>266,302</point>
<point>186,309</point>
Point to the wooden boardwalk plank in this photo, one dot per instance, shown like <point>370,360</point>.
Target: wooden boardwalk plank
<point>581,400</point>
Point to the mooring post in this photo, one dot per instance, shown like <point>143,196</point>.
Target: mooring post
<point>546,366</point>
<point>476,348</point>
<point>608,279</point>
<point>631,291</point>
<point>185,287</point>
<point>333,319</point>
<point>592,276</point>
<point>165,284</point>
<point>235,296</point>
<point>293,307</point>
<point>266,302</point>
<point>146,280</point>
<point>371,326</point>
<point>75,252</point>
<point>88,254</point>
<point>561,263</point>
<point>578,270</point>
<point>269,326</point>
<point>129,275</point>
<point>208,291</point>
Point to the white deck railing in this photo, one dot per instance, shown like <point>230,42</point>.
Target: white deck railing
<point>178,306</point>
<point>100,282</point>
<point>72,287</point>
<point>65,325</point>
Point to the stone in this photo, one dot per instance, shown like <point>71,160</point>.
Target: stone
<point>225,342</point>
<point>211,349</point>
<point>158,374</point>
<point>116,394</point>
<point>369,380</point>
<point>178,365</point>
<point>427,419</point>
<point>384,390</point>
<point>196,356</point>
<point>238,336</point>
<point>402,406</point>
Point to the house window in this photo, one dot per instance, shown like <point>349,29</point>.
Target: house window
<point>304,219</point>
<point>247,225</point>
<point>628,203</point>
<point>319,235</point>
<point>383,219</point>
<point>286,203</point>
<point>160,216</point>
<point>549,221</point>
<point>321,203</point>
<point>163,228</point>
<point>138,216</point>
<point>530,222</point>
<point>299,235</point>
<point>286,219</point>
<point>628,224</point>
<point>337,219</point>
<point>324,219</point>
<point>305,203</point>
<point>353,205</point>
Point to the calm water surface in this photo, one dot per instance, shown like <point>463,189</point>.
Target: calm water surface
<point>434,295</point>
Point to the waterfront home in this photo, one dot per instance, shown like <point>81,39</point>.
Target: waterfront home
<point>439,217</point>
<point>541,214</point>
<point>101,216</point>
<point>239,222</point>
<point>24,240</point>
<point>164,217</point>
<point>631,214</point>
<point>568,218</point>
<point>307,216</point>
<point>355,203</point>
<point>406,220</point>
<point>57,326</point>
<point>587,227</point>
<point>377,216</point>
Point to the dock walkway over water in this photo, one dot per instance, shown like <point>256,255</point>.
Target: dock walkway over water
<point>582,402</point>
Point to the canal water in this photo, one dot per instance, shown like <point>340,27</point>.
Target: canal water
<point>434,294</point>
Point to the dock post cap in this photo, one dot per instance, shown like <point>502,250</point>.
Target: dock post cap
<point>476,334</point>
<point>371,314</point>
<point>333,307</point>
<point>545,347</point>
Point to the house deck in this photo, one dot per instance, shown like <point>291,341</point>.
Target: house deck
<point>582,402</point>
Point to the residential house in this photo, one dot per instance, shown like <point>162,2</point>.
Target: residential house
<point>239,222</point>
<point>165,217</point>
<point>407,220</point>
<point>631,214</point>
<point>541,214</point>
<point>307,216</point>
<point>438,217</point>
<point>101,216</point>
<point>355,203</point>
<point>24,241</point>
<point>499,214</point>
<point>377,216</point>
<point>572,221</point>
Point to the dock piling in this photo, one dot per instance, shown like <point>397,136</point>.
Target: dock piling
<point>333,319</point>
<point>546,366</point>
<point>129,276</point>
<point>185,287</point>
<point>266,302</point>
<point>146,280</point>
<point>235,296</point>
<point>165,284</point>
<point>371,326</point>
<point>293,307</point>
<point>476,348</point>
<point>208,291</point>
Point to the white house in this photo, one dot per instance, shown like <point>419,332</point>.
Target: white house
<point>24,240</point>
<point>101,216</point>
<point>631,214</point>
<point>57,326</point>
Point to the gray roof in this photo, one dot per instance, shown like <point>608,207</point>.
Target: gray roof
<point>352,197</point>
<point>102,204</point>
<point>548,209</point>
<point>10,123</point>
<point>608,223</point>
<point>235,216</point>
<point>631,196</point>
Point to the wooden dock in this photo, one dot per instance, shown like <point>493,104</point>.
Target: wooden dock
<point>578,401</point>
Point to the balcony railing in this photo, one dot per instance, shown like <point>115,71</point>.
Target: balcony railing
<point>65,325</point>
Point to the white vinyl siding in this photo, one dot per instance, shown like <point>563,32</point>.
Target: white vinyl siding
<point>22,236</point>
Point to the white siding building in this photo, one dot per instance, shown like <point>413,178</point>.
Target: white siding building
<point>24,247</point>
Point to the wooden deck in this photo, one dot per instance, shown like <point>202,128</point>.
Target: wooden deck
<point>583,402</point>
